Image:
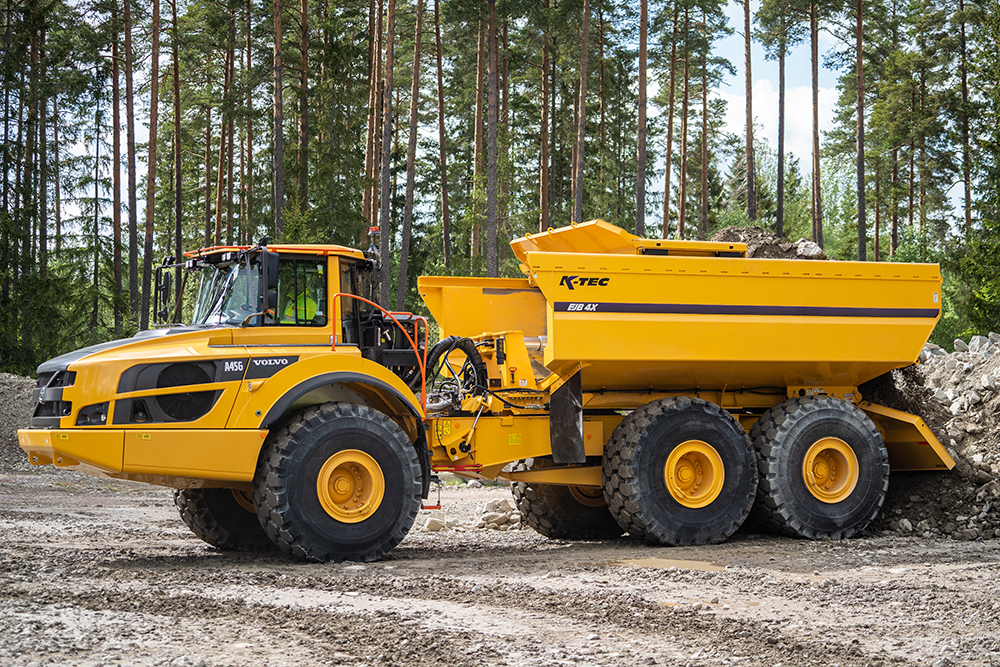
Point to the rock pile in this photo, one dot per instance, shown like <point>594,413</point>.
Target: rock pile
<point>958,395</point>
<point>497,514</point>
<point>766,245</point>
<point>15,397</point>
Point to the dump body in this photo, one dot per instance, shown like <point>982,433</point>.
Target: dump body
<point>682,323</point>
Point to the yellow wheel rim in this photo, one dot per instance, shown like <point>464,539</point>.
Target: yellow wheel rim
<point>588,496</point>
<point>694,474</point>
<point>350,486</point>
<point>245,500</point>
<point>830,470</point>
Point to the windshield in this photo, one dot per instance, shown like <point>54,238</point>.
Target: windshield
<point>227,294</point>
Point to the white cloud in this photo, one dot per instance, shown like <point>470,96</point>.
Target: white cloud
<point>798,115</point>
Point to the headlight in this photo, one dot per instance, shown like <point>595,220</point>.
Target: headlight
<point>93,415</point>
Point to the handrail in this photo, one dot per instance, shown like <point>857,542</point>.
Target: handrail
<point>421,362</point>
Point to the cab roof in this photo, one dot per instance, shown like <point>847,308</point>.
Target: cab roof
<point>291,248</point>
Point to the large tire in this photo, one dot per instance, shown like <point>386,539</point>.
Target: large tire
<point>841,487</point>
<point>679,471</point>
<point>338,482</point>
<point>224,518</point>
<point>563,512</point>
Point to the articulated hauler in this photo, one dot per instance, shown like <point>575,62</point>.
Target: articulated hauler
<point>664,389</point>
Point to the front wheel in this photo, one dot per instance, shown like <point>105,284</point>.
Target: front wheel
<point>824,469</point>
<point>224,518</point>
<point>679,471</point>
<point>338,482</point>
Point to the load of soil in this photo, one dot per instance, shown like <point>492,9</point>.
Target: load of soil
<point>763,244</point>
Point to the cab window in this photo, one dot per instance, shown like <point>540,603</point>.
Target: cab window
<point>302,293</point>
<point>349,308</point>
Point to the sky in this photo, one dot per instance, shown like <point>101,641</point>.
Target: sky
<point>798,88</point>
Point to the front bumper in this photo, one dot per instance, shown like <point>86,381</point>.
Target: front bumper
<point>154,455</point>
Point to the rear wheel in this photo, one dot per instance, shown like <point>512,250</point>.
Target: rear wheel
<point>338,482</point>
<point>224,518</point>
<point>680,471</point>
<point>824,469</point>
<point>564,512</point>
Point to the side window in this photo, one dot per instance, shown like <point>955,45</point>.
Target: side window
<point>349,308</point>
<point>302,293</point>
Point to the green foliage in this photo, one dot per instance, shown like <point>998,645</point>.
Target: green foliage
<point>53,301</point>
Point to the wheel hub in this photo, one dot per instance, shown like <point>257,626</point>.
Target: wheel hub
<point>830,470</point>
<point>350,486</point>
<point>694,473</point>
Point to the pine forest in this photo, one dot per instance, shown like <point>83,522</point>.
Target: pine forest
<point>135,131</point>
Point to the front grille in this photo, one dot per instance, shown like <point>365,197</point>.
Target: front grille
<point>64,379</point>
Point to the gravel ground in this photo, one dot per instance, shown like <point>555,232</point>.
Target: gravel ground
<point>99,572</point>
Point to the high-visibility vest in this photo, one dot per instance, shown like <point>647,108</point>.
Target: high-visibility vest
<point>303,306</point>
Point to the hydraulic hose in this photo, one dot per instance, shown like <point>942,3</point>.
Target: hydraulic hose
<point>446,346</point>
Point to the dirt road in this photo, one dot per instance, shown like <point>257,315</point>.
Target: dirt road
<point>97,572</point>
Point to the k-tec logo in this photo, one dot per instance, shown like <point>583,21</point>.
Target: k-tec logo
<point>573,282</point>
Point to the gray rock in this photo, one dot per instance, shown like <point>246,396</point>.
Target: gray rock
<point>951,364</point>
<point>973,397</point>
<point>433,525</point>
<point>986,382</point>
<point>941,396</point>
<point>994,337</point>
<point>905,526</point>
<point>978,344</point>
<point>960,345</point>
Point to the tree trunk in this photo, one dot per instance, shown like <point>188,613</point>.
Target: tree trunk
<point>442,149</point>
<point>374,81</point>
<point>229,105</point>
<point>208,175</point>
<point>279,136</point>
<point>859,56</point>
<point>704,133</point>
<point>492,209</point>
<point>58,176</point>
<point>411,157</point>
<point>43,183</point>
<point>116,161</point>
<point>817,201</point>
<point>303,175</point>
<point>685,96</point>
<point>913,150</point>
<point>894,205</point>
<point>97,229</point>
<point>780,214</point>
<point>878,203</point>
<point>665,232</point>
<point>154,118</point>
<point>478,165</point>
<point>601,95</point>
<point>543,155</point>
<point>964,124</point>
<point>387,127</point>
<point>751,162</point>
<point>581,127</point>
<point>133,207</point>
<point>248,184</point>
<point>178,191</point>
<point>220,188</point>
<point>640,163</point>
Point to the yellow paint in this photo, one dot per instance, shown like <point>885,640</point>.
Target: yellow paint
<point>96,451</point>
<point>830,470</point>
<point>582,476</point>
<point>694,474</point>
<point>350,486</point>
<point>910,443</point>
<point>222,454</point>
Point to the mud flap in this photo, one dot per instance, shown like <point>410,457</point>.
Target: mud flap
<point>566,422</point>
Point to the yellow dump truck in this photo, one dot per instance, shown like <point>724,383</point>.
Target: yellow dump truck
<point>663,389</point>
